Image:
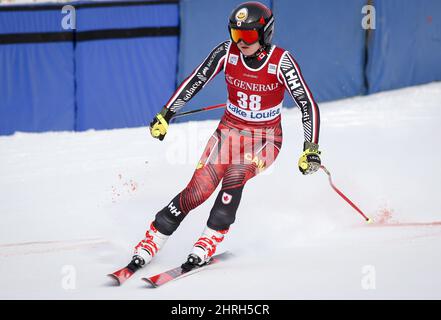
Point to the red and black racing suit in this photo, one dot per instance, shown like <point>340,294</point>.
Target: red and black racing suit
<point>249,136</point>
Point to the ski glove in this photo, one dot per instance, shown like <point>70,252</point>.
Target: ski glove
<point>159,124</point>
<point>309,161</point>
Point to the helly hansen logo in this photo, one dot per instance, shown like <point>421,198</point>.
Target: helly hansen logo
<point>293,79</point>
<point>173,209</point>
<point>291,76</point>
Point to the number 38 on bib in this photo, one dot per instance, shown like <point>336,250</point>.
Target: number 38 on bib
<point>255,96</point>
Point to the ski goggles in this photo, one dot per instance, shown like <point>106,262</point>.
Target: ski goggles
<point>247,36</point>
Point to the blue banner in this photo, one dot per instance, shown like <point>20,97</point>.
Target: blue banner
<point>328,42</point>
<point>116,69</point>
<point>125,82</point>
<point>405,47</point>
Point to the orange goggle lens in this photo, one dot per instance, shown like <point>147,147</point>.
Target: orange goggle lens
<point>247,36</point>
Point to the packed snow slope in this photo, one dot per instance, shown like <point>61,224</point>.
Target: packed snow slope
<point>73,205</point>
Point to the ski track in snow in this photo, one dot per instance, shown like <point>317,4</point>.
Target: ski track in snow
<point>79,202</point>
<point>26,248</point>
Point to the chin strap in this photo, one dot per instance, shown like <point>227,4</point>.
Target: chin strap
<point>258,53</point>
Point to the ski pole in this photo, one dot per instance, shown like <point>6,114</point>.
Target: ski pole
<point>368,220</point>
<point>186,113</point>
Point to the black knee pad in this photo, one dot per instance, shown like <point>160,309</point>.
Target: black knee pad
<point>169,218</point>
<point>223,213</point>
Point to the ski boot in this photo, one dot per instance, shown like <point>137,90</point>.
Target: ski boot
<point>147,248</point>
<point>204,249</point>
<point>144,253</point>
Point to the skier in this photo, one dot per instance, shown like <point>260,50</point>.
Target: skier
<point>248,137</point>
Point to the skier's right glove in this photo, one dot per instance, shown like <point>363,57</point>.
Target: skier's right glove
<point>159,124</point>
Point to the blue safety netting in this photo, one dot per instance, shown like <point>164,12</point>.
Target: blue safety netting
<point>405,47</point>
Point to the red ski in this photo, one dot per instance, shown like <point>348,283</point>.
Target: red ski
<point>176,273</point>
<point>125,273</point>
<point>121,275</point>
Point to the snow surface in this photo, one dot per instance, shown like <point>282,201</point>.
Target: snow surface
<point>73,205</point>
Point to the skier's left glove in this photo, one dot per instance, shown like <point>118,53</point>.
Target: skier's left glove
<point>159,124</point>
<point>309,161</point>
